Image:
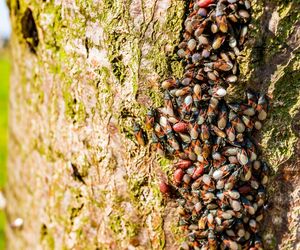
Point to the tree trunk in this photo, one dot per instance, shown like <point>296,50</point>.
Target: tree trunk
<point>83,72</point>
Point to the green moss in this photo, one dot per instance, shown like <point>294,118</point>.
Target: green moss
<point>48,237</point>
<point>289,15</point>
<point>80,113</point>
<point>125,124</point>
<point>134,67</point>
<point>122,225</point>
<point>69,104</point>
<point>278,2</point>
<point>162,54</point>
<point>74,109</point>
<point>51,242</point>
<point>117,36</point>
<point>156,96</point>
<point>159,241</point>
<point>157,195</point>
<point>267,44</point>
<point>103,246</point>
<point>116,59</point>
<point>115,223</point>
<point>105,74</point>
<point>136,185</point>
<point>177,69</point>
<point>112,164</point>
<point>101,201</point>
<point>176,232</point>
<point>270,240</point>
<point>53,39</point>
<point>278,137</point>
<point>18,7</point>
<point>165,164</point>
<point>147,198</point>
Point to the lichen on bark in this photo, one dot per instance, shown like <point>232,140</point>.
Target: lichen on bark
<point>73,101</point>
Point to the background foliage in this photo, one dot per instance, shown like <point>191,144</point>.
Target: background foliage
<point>4,79</point>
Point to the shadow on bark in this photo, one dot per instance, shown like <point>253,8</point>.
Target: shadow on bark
<point>261,76</point>
<point>280,227</point>
<point>283,201</point>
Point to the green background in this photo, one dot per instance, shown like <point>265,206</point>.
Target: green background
<point>4,80</point>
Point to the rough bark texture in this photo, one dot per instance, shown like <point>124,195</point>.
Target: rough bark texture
<point>82,76</point>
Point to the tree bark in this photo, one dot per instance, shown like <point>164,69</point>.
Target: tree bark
<point>83,73</point>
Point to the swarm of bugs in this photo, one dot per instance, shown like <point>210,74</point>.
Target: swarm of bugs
<point>220,181</point>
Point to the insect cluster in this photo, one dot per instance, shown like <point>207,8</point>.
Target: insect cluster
<point>220,180</point>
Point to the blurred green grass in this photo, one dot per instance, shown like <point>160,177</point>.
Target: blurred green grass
<point>4,82</point>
